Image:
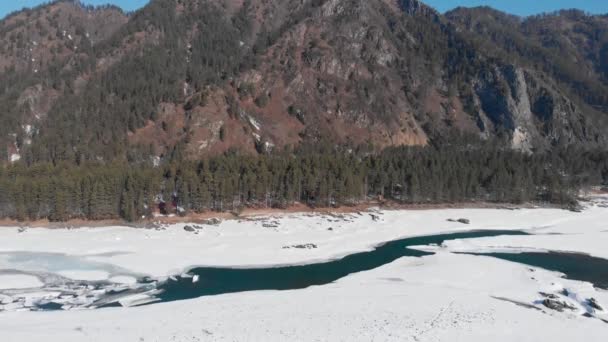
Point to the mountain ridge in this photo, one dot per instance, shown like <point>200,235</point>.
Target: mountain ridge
<point>193,78</point>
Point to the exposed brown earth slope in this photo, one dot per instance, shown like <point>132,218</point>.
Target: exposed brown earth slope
<point>199,77</point>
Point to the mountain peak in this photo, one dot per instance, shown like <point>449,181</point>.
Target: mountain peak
<point>416,7</point>
<point>54,30</point>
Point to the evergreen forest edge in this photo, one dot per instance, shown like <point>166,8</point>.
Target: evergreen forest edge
<point>319,175</point>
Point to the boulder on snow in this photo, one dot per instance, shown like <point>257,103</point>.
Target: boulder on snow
<point>271,224</point>
<point>154,225</point>
<point>212,222</point>
<point>549,295</point>
<point>303,246</point>
<point>461,220</point>
<point>592,302</point>
<point>557,305</point>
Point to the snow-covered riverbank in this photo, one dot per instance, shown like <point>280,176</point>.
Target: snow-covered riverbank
<point>441,297</point>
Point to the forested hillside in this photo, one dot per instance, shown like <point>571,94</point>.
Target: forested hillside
<point>103,111</point>
<point>200,77</point>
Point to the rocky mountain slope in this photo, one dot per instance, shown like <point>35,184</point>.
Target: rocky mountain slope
<point>191,78</point>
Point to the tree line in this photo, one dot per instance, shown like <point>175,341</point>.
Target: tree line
<point>320,176</point>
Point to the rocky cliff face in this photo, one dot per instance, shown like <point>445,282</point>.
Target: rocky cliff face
<point>560,56</point>
<point>199,77</point>
<point>534,112</point>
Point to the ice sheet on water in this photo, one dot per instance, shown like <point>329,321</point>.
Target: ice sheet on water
<point>55,263</point>
<point>62,281</point>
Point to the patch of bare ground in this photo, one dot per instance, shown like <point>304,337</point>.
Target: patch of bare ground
<point>257,212</point>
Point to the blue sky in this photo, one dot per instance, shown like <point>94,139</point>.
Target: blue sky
<point>519,7</point>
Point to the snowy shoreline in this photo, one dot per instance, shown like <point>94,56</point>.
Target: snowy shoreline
<point>257,213</point>
<point>269,242</point>
<point>349,233</point>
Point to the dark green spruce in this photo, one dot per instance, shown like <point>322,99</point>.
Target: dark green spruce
<point>319,176</point>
